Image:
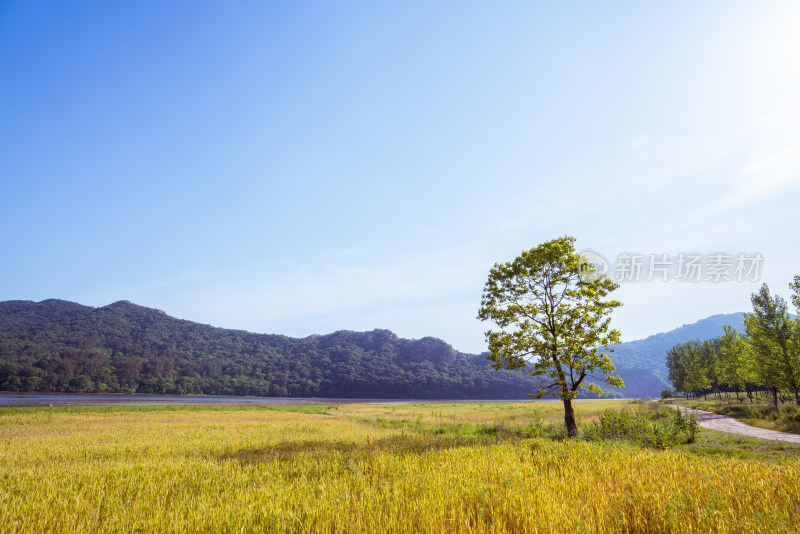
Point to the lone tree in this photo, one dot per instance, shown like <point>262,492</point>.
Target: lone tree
<point>551,323</point>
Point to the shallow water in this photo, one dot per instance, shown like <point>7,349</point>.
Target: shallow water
<point>88,399</point>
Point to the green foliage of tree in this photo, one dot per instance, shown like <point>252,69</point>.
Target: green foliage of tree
<point>676,368</point>
<point>697,375</point>
<point>795,287</point>
<point>795,338</point>
<point>770,330</point>
<point>737,371</point>
<point>550,323</point>
<point>688,365</point>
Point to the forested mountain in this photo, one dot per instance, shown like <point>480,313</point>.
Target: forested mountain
<point>56,345</point>
<point>642,363</point>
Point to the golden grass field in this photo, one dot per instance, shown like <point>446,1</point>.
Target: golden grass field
<point>367,468</point>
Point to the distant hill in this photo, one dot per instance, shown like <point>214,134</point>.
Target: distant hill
<point>55,345</point>
<point>62,346</point>
<point>642,363</point>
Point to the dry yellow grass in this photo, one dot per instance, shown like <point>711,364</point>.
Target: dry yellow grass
<point>483,412</point>
<point>251,470</point>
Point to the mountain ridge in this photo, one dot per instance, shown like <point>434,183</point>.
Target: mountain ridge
<point>58,345</point>
<point>137,348</point>
<point>642,363</point>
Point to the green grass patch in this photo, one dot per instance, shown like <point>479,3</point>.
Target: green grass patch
<point>726,445</point>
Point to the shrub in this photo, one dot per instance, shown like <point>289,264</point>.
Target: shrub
<point>790,414</point>
<point>649,427</point>
<point>659,411</point>
<point>687,423</point>
<point>633,426</point>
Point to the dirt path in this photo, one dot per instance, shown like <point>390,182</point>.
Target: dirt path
<point>724,423</point>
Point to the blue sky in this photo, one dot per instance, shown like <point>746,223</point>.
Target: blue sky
<point>305,167</point>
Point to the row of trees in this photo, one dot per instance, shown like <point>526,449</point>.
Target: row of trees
<point>765,357</point>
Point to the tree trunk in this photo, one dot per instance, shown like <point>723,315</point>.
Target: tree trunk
<point>775,397</point>
<point>569,419</point>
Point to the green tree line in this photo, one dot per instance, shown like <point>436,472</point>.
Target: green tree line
<point>765,358</point>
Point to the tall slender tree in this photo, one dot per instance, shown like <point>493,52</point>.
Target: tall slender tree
<point>769,329</point>
<point>735,362</point>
